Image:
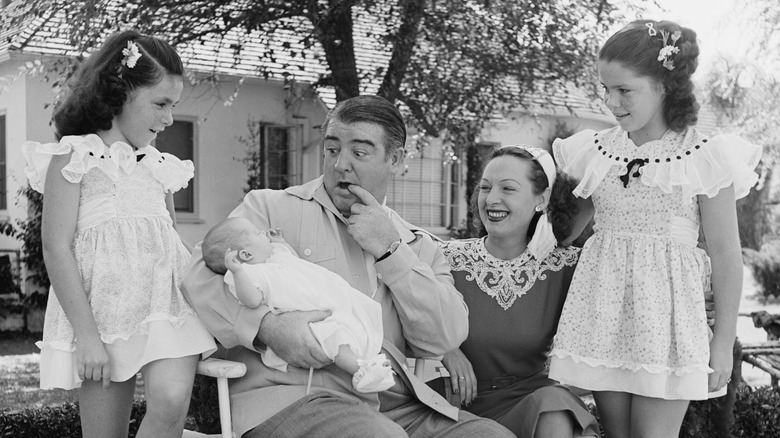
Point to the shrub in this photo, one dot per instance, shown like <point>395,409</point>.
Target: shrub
<point>61,421</point>
<point>765,265</point>
<point>204,405</point>
<point>28,230</point>
<point>758,412</point>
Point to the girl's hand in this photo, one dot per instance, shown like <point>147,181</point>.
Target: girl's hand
<point>92,361</point>
<point>462,377</point>
<point>722,361</point>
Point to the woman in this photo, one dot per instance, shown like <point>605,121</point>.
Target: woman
<point>514,281</point>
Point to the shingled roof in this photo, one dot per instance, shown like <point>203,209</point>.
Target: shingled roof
<point>274,56</point>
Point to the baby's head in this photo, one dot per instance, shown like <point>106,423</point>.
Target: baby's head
<point>239,234</point>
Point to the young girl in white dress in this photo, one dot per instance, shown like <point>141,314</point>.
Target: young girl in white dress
<point>109,243</point>
<point>633,328</point>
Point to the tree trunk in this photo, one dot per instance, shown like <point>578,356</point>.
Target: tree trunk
<point>334,32</point>
<point>403,47</point>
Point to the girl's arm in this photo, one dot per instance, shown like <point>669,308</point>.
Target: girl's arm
<point>60,213</point>
<point>172,211</point>
<point>584,215</point>
<point>719,223</point>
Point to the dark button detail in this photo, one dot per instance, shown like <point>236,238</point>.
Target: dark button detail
<point>704,141</point>
<point>668,160</point>
<point>687,152</point>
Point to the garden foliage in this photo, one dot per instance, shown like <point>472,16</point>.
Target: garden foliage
<point>60,421</point>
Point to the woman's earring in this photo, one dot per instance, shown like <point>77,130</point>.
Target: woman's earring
<point>538,208</point>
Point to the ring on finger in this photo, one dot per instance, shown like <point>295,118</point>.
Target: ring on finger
<point>461,378</point>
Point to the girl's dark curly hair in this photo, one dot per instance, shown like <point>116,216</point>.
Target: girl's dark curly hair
<point>636,49</point>
<point>562,207</point>
<point>102,84</point>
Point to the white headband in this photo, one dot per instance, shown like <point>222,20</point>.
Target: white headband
<point>544,241</point>
<point>542,157</point>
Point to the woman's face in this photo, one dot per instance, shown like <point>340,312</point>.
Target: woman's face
<point>506,199</point>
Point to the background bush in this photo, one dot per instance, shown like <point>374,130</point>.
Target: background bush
<point>765,265</point>
<point>758,412</point>
<point>61,421</point>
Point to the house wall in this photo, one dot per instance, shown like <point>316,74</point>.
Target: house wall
<point>14,104</point>
<point>220,174</point>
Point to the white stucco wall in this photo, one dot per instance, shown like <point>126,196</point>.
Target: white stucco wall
<point>220,175</point>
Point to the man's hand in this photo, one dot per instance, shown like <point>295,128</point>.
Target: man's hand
<point>370,224</point>
<point>289,336</point>
<point>709,308</point>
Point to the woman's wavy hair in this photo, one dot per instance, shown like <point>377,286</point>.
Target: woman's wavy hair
<point>562,208</point>
<point>636,49</point>
<point>102,84</point>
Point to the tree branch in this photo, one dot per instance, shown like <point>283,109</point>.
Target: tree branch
<point>403,48</point>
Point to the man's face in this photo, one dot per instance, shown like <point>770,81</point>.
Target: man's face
<point>355,154</point>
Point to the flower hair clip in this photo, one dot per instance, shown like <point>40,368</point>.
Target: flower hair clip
<point>668,50</point>
<point>131,54</point>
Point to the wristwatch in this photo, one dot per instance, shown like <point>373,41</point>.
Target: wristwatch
<point>393,246</point>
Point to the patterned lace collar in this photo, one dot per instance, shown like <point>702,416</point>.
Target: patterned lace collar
<point>503,280</point>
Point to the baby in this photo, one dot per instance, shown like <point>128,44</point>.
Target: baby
<point>260,267</point>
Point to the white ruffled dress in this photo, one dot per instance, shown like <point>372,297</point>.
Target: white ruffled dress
<point>130,258</point>
<point>634,320</point>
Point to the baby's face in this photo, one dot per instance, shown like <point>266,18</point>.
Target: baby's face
<point>256,242</point>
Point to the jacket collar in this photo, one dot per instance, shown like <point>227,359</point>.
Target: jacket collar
<point>314,190</point>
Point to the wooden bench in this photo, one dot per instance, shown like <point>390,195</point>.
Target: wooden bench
<point>765,356</point>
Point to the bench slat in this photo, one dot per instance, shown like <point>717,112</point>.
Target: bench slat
<point>762,364</point>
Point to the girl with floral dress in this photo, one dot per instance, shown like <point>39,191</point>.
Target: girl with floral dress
<point>109,243</point>
<point>633,328</point>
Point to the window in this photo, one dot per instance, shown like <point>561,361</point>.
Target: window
<point>276,162</point>
<point>3,158</point>
<point>426,194</point>
<point>179,140</point>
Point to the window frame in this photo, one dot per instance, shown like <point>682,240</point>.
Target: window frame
<point>191,217</point>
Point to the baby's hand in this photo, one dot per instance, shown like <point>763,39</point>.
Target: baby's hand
<point>275,235</point>
<point>231,260</point>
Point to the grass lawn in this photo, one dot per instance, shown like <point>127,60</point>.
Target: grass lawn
<point>19,375</point>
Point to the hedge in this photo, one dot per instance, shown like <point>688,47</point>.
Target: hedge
<point>757,415</point>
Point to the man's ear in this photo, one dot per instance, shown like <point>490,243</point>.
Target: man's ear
<point>245,255</point>
<point>397,157</point>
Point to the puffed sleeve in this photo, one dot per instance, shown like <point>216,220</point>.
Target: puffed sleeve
<point>174,174</point>
<point>727,160</point>
<point>86,153</point>
<point>578,157</point>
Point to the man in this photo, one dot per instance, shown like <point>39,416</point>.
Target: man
<point>339,221</point>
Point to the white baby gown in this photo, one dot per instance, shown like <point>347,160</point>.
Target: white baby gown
<point>291,283</point>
